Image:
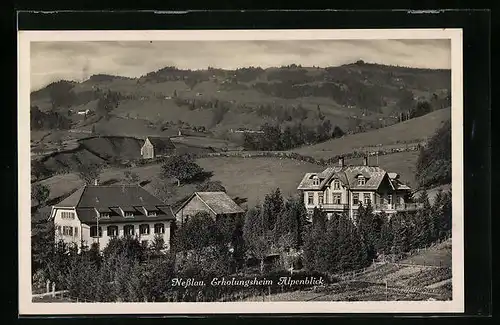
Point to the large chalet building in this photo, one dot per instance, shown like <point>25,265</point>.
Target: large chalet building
<point>96,214</point>
<point>341,189</point>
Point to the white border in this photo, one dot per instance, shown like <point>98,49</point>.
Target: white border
<point>27,307</point>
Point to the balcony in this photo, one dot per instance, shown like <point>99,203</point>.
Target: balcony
<point>398,207</point>
<point>334,207</point>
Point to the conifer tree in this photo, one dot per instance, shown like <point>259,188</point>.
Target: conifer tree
<point>402,235</point>
<point>256,234</point>
<point>272,208</point>
<point>319,219</point>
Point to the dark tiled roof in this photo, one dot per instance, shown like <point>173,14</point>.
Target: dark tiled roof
<point>91,199</point>
<point>72,200</point>
<point>348,175</point>
<point>161,145</point>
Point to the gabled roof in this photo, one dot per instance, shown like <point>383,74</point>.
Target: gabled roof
<point>218,202</point>
<point>373,176</point>
<point>324,177</point>
<point>91,199</point>
<point>348,175</point>
<point>161,144</point>
<point>72,200</point>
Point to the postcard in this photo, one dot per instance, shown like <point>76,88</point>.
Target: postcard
<point>240,171</point>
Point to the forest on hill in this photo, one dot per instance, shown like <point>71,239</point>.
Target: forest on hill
<point>354,97</point>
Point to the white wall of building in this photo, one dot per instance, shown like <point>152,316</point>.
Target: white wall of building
<point>61,220</point>
<point>105,238</point>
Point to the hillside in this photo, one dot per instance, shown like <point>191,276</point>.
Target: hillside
<point>425,275</point>
<point>350,96</point>
<point>399,135</point>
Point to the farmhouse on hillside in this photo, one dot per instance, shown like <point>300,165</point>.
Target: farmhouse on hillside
<point>156,147</point>
<point>96,214</point>
<point>217,204</point>
<point>344,188</point>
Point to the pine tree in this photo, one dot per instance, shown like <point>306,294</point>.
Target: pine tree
<point>402,235</point>
<point>256,234</point>
<point>272,208</point>
<point>319,219</point>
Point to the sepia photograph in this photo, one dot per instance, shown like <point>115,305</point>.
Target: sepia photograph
<point>307,167</point>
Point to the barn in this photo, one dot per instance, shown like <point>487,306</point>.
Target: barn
<point>156,147</point>
<point>216,204</point>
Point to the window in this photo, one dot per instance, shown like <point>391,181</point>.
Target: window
<point>336,185</point>
<point>128,230</point>
<point>316,180</point>
<point>367,198</point>
<point>59,230</point>
<point>67,231</point>
<point>151,213</point>
<point>144,229</point>
<point>67,215</point>
<point>112,231</point>
<point>129,214</point>
<point>105,215</point>
<point>336,198</point>
<point>93,231</point>
<point>389,199</point>
<point>159,228</point>
<point>310,198</point>
<point>355,199</point>
<point>76,231</point>
<point>320,198</point>
<point>361,180</point>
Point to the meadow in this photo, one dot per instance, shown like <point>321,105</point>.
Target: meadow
<point>410,131</point>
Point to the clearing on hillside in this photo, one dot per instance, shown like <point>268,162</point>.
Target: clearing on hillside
<point>250,178</point>
<point>253,178</point>
<point>414,130</point>
<point>403,163</point>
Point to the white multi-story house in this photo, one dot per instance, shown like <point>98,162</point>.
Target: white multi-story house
<point>95,214</point>
<point>341,189</point>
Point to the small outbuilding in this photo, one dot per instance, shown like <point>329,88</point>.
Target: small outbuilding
<point>157,147</point>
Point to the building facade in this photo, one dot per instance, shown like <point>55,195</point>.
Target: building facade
<point>96,214</point>
<point>342,189</point>
<point>216,204</point>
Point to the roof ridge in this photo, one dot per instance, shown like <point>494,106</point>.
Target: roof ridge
<point>81,195</point>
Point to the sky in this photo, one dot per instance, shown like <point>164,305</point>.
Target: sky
<point>76,60</point>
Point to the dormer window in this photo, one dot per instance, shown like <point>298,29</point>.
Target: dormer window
<point>361,180</point>
<point>336,185</point>
<point>129,214</point>
<point>105,215</point>
<point>315,181</point>
<point>151,213</point>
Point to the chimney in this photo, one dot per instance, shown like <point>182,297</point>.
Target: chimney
<point>365,160</point>
<point>96,182</point>
<point>341,161</point>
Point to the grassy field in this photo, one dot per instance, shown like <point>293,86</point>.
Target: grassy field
<point>253,178</point>
<point>250,178</point>
<point>412,130</point>
<point>403,163</point>
<point>205,142</point>
<point>439,255</point>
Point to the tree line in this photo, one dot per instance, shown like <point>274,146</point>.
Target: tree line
<point>204,247</point>
<point>48,120</point>
<point>340,244</point>
<point>434,161</point>
<point>276,138</point>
